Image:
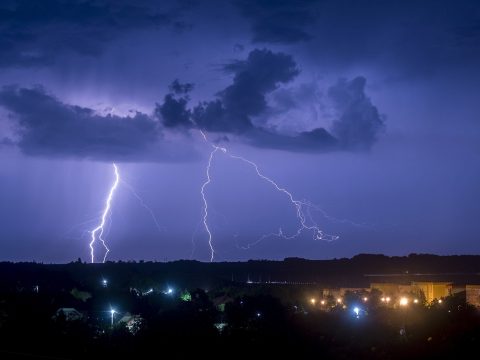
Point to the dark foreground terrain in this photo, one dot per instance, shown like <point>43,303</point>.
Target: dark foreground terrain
<point>257,309</point>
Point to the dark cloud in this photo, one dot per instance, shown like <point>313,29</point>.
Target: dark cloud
<point>180,89</point>
<point>405,38</point>
<point>317,140</point>
<point>34,32</point>
<point>358,121</point>
<point>278,21</point>
<point>356,126</point>
<point>173,112</point>
<point>253,78</point>
<point>47,126</point>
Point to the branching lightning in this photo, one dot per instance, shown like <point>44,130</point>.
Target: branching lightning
<point>106,212</point>
<point>143,204</point>
<point>302,207</point>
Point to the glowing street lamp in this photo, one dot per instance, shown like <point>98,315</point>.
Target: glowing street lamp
<point>313,301</point>
<point>403,301</point>
<point>112,312</point>
<point>415,301</point>
<point>365,299</point>
<point>387,299</point>
<point>104,282</point>
<point>339,300</point>
<point>322,302</point>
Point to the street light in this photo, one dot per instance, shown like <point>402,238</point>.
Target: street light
<point>339,300</point>
<point>322,302</point>
<point>313,301</point>
<point>403,301</point>
<point>104,282</point>
<point>365,299</point>
<point>112,312</point>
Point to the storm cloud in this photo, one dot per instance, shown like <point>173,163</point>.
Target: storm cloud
<point>46,126</point>
<point>356,125</point>
<point>358,122</point>
<point>279,21</point>
<point>35,32</point>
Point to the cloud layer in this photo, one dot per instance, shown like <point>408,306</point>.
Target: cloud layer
<point>36,32</point>
<point>356,126</point>
<point>49,127</point>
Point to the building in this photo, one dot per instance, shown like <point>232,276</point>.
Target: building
<point>434,290</point>
<point>473,294</point>
<point>70,314</point>
<point>392,289</point>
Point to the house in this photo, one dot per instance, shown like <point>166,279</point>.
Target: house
<point>70,314</point>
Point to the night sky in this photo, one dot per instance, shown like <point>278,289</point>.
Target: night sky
<point>367,110</point>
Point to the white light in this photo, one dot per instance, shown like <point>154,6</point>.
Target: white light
<point>415,301</point>
<point>387,299</point>
<point>382,299</point>
<point>356,310</point>
<point>258,314</point>
<point>365,299</point>
<point>112,312</point>
<point>440,301</point>
<point>339,300</point>
<point>169,291</point>
<point>322,302</point>
<point>403,301</point>
<point>313,301</point>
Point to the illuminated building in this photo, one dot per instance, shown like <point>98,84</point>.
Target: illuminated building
<point>473,294</point>
<point>433,290</point>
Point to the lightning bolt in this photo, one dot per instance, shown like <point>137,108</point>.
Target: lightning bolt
<point>302,207</point>
<point>202,191</point>
<point>106,211</point>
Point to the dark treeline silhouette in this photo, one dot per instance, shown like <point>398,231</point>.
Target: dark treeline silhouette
<point>337,272</point>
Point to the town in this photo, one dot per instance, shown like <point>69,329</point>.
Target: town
<point>129,308</point>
